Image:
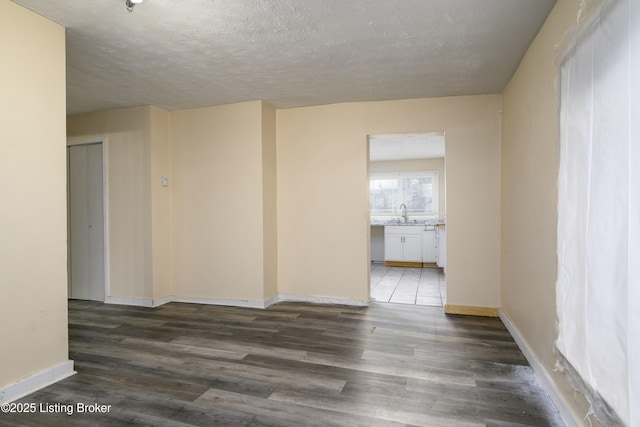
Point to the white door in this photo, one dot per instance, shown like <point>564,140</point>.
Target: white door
<point>393,247</point>
<point>412,248</point>
<point>86,222</point>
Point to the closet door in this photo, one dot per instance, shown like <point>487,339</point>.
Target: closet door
<point>86,222</point>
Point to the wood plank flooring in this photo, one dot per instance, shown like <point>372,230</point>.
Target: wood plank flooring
<point>291,365</point>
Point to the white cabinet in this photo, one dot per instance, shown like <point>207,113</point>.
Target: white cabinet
<point>415,244</point>
<point>412,248</point>
<point>429,245</point>
<point>403,243</point>
<point>393,247</point>
<point>442,246</point>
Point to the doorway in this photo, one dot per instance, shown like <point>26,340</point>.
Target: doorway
<point>85,231</point>
<point>407,205</point>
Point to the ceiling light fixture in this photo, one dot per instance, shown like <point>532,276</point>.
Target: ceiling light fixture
<point>131,3</point>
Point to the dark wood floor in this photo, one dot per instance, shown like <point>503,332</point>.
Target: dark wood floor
<point>291,365</point>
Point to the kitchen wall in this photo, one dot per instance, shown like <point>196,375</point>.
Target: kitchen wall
<point>416,165</point>
<point>529,196</point>
<point>323,189</point>
<point>33,250</point>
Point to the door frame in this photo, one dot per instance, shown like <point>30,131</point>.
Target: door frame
<point>441,206</point>
<point>105,206</point>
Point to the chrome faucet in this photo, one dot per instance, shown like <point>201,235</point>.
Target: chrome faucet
<point>403,212</point>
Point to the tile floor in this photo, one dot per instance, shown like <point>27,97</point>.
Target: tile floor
<point>406,285</point>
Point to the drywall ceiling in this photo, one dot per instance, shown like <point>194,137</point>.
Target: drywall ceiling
<point>406,146</point>
<point>290,53</point>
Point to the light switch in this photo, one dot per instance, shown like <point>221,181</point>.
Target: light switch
<point>164,181</point>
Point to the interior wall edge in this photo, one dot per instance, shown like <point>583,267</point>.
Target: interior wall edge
<point>33,220</point>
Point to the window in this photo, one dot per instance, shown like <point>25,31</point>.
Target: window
<point>418,191</point>
<point>597,290</point>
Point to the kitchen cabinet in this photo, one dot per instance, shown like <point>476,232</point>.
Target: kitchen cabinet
<point>429,244</point>
<point>442,246</point>
<point>403,244</point>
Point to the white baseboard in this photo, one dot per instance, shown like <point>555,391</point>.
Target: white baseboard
<point>219,301</point>
<point>570,418</point>
<point>271,301</point>
<point>139,302</point>
<point>35,382</point>
<point>315,300</point>
<point>146,302</point>
<point>160,301</point>
<point>152,303</point>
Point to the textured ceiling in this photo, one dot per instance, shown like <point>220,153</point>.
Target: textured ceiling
<point>193,53</point>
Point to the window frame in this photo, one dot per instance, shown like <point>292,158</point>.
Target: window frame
<point>435,194</point>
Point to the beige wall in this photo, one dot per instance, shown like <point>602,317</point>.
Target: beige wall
<point>416,165</point>
<point>215,222</point>
<point>33,252</point>
<point>221,164</point>
<point>217,162</point>
<point>128,153</point>
<point>261,202</point>
<point>270,201</point>
<point>529,194</point>
<point>323,193</point>
<point>160,152</point>
<point>323,202</point>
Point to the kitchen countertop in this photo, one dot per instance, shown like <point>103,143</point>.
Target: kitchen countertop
<point>381,223</point>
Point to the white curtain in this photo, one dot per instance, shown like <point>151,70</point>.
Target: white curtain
<point>598,284</point>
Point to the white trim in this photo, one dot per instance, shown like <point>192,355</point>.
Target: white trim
<point>570,418</point>
<point>105,204</point>
<point>148,302</point>
<point>314,299</point>
<point>161,301</point>
<point>219,301</point>
<point>271,301</point>
<point>139,302</point>
<point>35,382</point>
